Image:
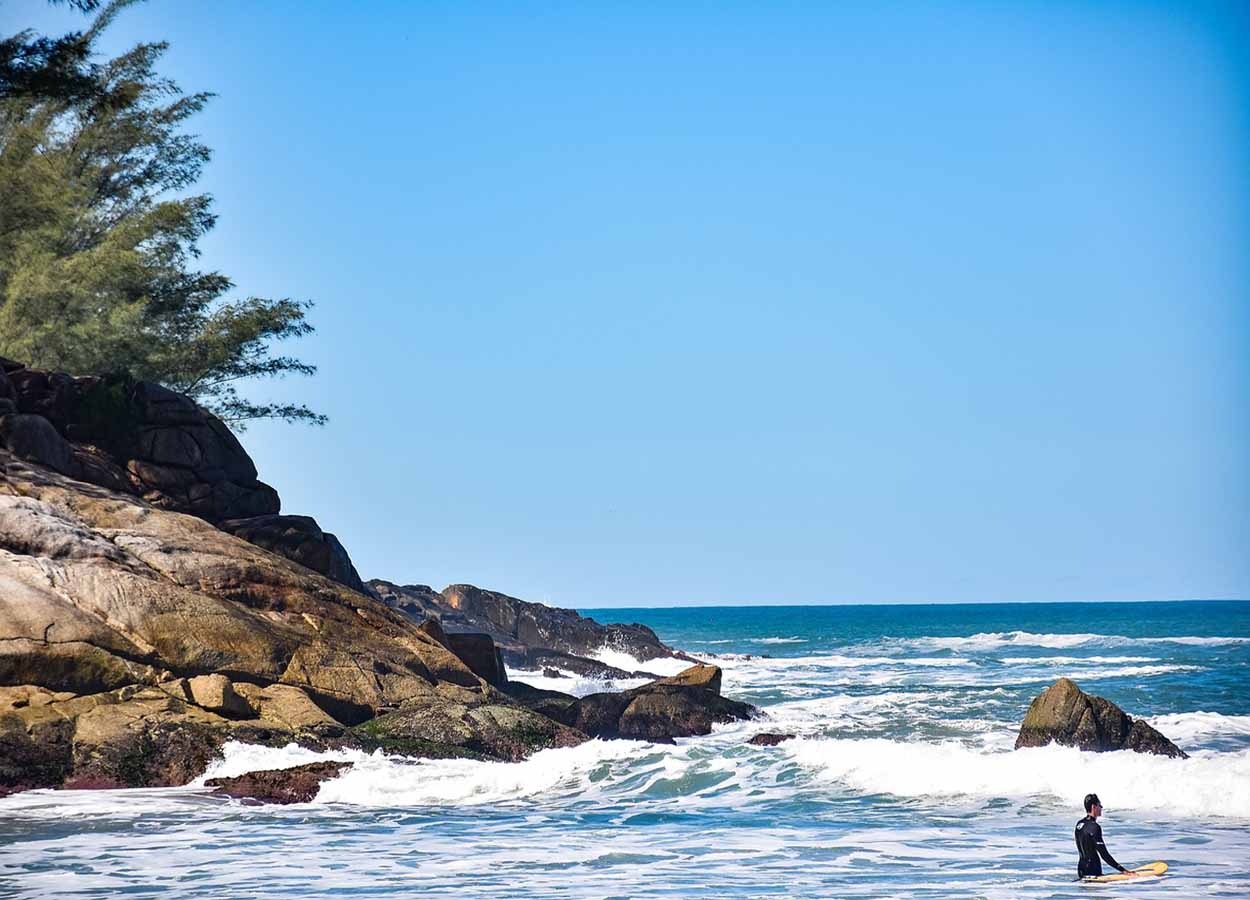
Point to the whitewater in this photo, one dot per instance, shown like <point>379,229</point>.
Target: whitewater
<point>901,780</point>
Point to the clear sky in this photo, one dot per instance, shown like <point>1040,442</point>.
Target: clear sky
<point>651,304</point>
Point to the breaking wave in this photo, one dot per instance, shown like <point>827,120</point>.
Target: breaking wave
<point>994,640</point>
<point>1209,784</point>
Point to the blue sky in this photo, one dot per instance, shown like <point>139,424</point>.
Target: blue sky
<point>653,304</point>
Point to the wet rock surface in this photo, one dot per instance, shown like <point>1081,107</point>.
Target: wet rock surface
<point>668,708</point>
<point>298,784</point>
<point>769,739</point>
<point>1064,714</point>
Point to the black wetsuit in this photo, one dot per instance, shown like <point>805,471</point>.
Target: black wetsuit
<point>1089,844</point>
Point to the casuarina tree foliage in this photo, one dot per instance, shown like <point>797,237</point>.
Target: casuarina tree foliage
<point>98,233</point>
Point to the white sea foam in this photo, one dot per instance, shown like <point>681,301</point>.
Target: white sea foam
<point>779,640</point>
<point>1207,784</point>
<point>1067,660</point>
<point>395,782</point>
<point>661,666</point>
<point>239,758</point>
<point>838,661</point>
<point>994,640</point>
<point>1195,726</point>
<point>572,683</point>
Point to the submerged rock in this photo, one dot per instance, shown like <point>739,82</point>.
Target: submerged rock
<point>1064,714</point>
<point>769,739</point>
<point>298,784</point>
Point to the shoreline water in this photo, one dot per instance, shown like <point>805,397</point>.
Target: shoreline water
<point>901,782</point>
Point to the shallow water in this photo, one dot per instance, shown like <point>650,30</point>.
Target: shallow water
<point>902,781</point>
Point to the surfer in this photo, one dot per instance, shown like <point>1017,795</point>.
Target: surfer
<point>1089,841</point>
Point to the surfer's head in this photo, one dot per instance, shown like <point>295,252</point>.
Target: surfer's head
<point>1091,800</point>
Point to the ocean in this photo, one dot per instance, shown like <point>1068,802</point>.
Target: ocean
<point>902,781</point>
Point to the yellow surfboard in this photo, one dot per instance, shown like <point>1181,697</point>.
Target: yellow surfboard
<point>1149,870</point>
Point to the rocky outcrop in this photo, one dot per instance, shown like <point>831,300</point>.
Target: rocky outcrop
<point>298,784</point>
<point>683,706</point>
<point>131,737</point>
<point>299,538</point>
<point>139,438</point>
<point>1064,714</point>
<point>530,636</point>
<point>161,444</point>
<point>112,610</point>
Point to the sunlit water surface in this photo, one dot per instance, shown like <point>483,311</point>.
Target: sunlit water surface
<point>902,781</point>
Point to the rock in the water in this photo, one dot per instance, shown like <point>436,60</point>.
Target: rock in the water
<point>1064,714</point>
<point>659,711</point>
<point>298,784</point>
<point>769,739</point>
<point>498,730</point>
<point>299,538</point>
<point>699,675</point>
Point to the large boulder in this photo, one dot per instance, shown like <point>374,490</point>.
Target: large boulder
<point>299,538</point>
<point>298,784</point>
<point>479,653</point>
<point>699,675</point>
<point>655,712</point>
<point>33,437</point>
<point>1064,714</point>
<point>172,452</point>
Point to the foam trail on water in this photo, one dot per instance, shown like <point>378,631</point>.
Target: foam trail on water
<point>1195,726</point>
<point>1068,660</point>
<point>999,639</point>
<point>572,683</point>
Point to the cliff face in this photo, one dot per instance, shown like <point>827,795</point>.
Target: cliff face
<point>530,635</point>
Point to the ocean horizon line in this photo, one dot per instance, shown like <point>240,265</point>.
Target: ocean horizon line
<point>897,605</point>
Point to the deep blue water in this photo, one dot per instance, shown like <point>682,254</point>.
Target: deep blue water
<point>901,780</point>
